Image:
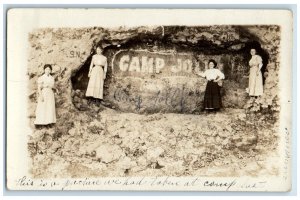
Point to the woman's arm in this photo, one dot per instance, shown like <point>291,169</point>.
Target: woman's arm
<point>40,87</point>
<point>105,69</point>
<point>260,64</point>
<point>91,67</point>
<point>202,74</point>
<point>54,87</point>
<point>220,76</point>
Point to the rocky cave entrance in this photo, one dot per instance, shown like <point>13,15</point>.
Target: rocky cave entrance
<point>163,90</point>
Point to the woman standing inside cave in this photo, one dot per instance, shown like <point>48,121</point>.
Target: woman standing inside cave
<point>255,78</point>
<point>97,74</point>
<point>212,97</point>
<point>45,110</point>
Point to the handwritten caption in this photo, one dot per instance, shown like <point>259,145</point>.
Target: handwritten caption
<point>287,157</point>
<point>195,183</point>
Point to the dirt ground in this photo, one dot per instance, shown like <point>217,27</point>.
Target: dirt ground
<point>103,142</point>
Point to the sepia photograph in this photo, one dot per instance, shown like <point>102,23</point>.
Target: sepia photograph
<point>145,99</point>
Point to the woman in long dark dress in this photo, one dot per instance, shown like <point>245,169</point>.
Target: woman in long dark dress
<point>212,97</point>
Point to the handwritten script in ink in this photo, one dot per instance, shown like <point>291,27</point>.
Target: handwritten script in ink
<point>286,154</point>
<point>161,183</point>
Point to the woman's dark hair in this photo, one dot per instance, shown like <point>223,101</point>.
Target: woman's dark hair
<point>213,61</point>
<point>99,47</point>
<point>47,65</point>
<point>254,49</point>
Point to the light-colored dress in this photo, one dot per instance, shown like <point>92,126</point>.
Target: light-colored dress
<point>45,110</point>
<point>96,81</point>
<point>255,79</point>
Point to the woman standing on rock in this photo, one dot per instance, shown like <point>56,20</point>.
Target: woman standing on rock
<point>97,74</point>
<point>45,110</point>
<point>212,97</point>
<point>255,78</point>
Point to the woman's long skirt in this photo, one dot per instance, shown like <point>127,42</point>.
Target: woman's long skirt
<point>95,85</point>
<point>255,82</point>
<point>45,110</point>
<point>212,97</point>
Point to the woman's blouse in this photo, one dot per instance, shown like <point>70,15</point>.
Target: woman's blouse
<point>255,61</point>
<point>212,74</point>
<point>46,81</point>
<point>99,60</point>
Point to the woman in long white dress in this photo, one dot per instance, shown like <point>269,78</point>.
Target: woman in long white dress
<point>255,78</point>
<point>45,110</point>
<point>97,75</point>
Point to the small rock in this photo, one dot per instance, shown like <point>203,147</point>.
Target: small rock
<point>90,147</point>
<point>72,132</point>
<point>126,163</point>
<point>117,141</point>
<point>172,141</point>
<point>55,146</point>
<point>252,139</point>
<point>218,163</point>
<point>51,132</point>
<point>218,140</point>
<point>141,161</point>
<point>38,135</point>
<point>73,93</point>
<point>191,127</point>
<point>242,116</point>
<point>154,153</point>
<point>252,167</point>
<point>41,146</point>
<point>237,46</point>
<point>225,141</point>
<point>84,102</point>
<point>224,134</point>
<point>171,165</point>
<point>104,103</point>
<point>237,138</point>
<point>77,92</point>
<point>108,153</point>
<point>68,145</point>
<point>228,128</point>
<point>77,105</point>
<point>76,99</point>
<point>247,142</point>
<point>137,168</point>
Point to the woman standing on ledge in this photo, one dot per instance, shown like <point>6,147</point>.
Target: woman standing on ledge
<point>45,110</point>
<point>97,74</point>
<point>212,97</point>
<point>255,78</point>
